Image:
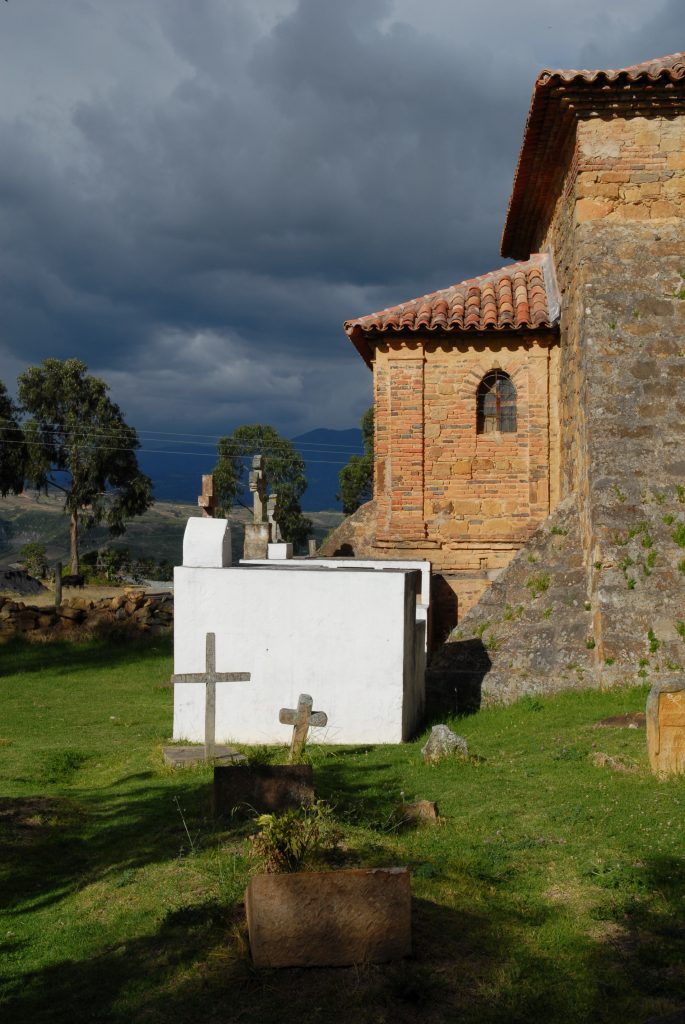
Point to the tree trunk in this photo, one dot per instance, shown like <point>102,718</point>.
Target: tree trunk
<point>73,541</point>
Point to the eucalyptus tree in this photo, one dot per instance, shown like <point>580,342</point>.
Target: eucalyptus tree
<point>78,442</point>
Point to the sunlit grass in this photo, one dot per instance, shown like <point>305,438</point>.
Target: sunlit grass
<point>551,891</point>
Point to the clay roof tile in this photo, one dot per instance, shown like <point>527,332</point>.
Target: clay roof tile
<point>521,295</point>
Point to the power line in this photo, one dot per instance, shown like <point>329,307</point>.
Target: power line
<point>161,451</point>
<point>304,448</point>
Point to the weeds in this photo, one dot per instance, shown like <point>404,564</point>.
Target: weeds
<point>678,535</point>
<point>538,584</point>
<point>295,839</point>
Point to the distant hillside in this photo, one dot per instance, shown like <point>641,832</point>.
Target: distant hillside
<point>176,475</point>
<point>158,534</point>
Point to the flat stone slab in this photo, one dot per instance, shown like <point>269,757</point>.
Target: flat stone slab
<point>631,720</point>
<point>184,757</point>
<point>263,788</point>
<point>329,918</point>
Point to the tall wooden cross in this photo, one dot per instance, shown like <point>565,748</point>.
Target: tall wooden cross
<point>210,677</point>
<point>301,717</point>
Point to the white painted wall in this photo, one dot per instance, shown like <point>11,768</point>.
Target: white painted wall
<point>348,638</point>
<point>377,564</point>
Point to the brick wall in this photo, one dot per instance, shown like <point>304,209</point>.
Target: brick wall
<point>466,501</point>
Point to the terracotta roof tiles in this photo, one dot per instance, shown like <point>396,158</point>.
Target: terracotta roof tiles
<point>519,296</point>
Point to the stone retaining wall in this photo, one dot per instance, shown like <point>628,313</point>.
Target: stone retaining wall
<point>131,610</point>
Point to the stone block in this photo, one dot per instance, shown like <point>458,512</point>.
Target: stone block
<point>329,918</point>
<point>262,788</point>
<point>257,537</point>
<point>186,757</point>
<point>666,727</point>
<point>207,543</point>
<point>592,209</point>
<point>279,552</point>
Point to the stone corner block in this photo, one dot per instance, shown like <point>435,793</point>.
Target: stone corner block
<point>329,918</point>
<point>207,543</point>
<point>666,726</point>
<point>280,551</point>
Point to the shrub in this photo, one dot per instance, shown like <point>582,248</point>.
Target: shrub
<point>295,839</point>
<point>34,559</point>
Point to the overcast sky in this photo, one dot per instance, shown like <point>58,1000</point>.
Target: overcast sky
<point>195,193</point>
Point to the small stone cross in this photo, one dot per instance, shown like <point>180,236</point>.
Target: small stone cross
<point>210,677</point>
<point>207,500</point>
<point>301,717</point>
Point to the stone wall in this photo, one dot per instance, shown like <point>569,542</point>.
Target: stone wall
<point>133,610</point>
<point>618,242</point>
<point>611,570</point>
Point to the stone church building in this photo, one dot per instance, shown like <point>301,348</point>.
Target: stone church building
<point>557,378</point>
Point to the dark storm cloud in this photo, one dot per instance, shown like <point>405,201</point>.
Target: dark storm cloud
<point>193,197</point>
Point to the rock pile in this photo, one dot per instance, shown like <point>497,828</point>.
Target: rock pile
<point>132,609</point>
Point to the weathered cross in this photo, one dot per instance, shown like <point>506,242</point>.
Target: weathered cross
<point>257,482</point>
<point>210,677</point>
<point>301,717</point>
<point>207,500</point>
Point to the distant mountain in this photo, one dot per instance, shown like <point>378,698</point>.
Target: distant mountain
<point>176,475</point>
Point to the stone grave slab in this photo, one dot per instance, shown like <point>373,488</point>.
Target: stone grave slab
<point>329,918</point>
<point>666,727</point>
<point>263,788</point>
<point>186,756</point>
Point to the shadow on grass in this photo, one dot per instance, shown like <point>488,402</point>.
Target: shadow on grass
<point>356,793</point>
<point>473,962</point>
<point>51,845</point>
<point>196,967</point>
<point>645,939</point>
<point>63,657</point>
<point>469,965</point>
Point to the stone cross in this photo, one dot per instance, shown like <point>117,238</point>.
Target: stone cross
<point>276,537</point>
<point>207,500</point>
<point>301,717</point>
<point>210,677</point>
<point>257,481</point>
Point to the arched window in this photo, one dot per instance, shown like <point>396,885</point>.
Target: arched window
<point>496,404</point>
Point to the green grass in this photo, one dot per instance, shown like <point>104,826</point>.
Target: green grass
<point>552,892</point>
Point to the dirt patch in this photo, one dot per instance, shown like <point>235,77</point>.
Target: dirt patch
<point>631,720</point>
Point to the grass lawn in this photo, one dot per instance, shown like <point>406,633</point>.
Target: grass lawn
<point>554,890</point>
